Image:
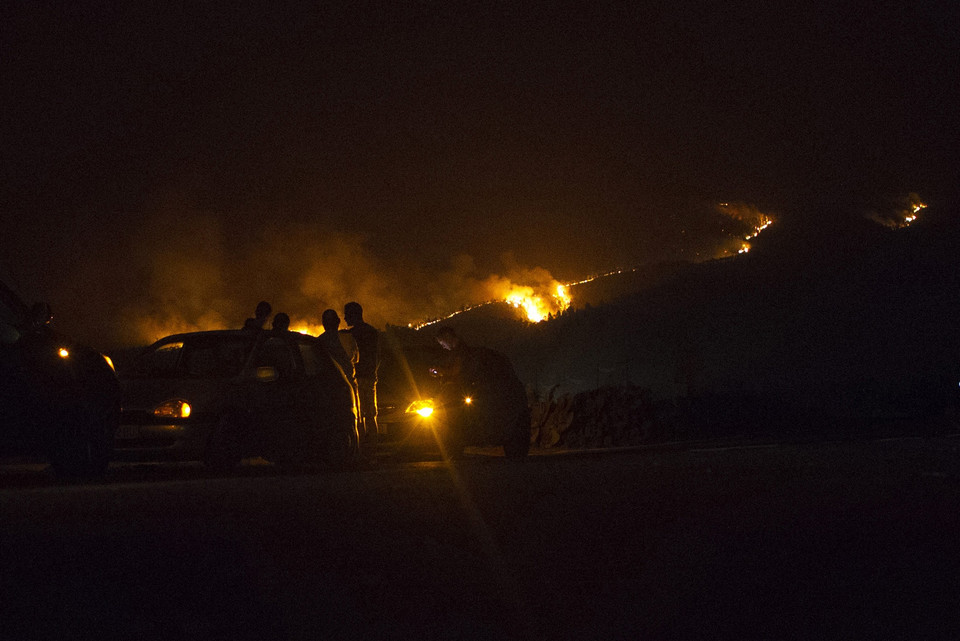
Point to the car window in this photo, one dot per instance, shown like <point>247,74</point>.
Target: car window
<point>160,360</point>
<point>222,357</point>
<point>200,357</point>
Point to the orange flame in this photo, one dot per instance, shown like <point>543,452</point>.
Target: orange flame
<point>750,216</point>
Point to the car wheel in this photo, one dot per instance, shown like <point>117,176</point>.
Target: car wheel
<point>223,451</point>
<point>341,449</point>
<point>83,443</point>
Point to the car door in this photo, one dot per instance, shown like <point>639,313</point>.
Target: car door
<point>279,399</point>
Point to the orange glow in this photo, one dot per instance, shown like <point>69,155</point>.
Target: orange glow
<point>914,208</point>
<point>751,217</point>
<point>422,407</point>
<point>537,302</point>
<point>538,305</point>
<point>174,408</point>
<point>903,214</point>
<point>307,327</point>
<point>63,352</point>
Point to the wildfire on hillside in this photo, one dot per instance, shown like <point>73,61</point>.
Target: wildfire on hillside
<point>903,213</point>
<point>534,293</point>
<point>755,220</point>
<point>537,302</point>
<point>540,302</point>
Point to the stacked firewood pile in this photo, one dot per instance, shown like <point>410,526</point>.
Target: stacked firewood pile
<point>604,417</point>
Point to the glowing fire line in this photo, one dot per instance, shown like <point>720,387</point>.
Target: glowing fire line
<point>538,307</point>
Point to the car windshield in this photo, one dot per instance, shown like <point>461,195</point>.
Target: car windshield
<point>196,357</point>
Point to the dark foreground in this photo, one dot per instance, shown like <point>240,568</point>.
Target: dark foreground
<point>837,540</point>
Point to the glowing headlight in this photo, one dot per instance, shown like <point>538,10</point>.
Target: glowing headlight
<point>175,408</point>
<point>467,400</point>
<point>424,408</point>
<point>63,352</point>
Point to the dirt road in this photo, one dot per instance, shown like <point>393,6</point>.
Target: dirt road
<point>828,540</point>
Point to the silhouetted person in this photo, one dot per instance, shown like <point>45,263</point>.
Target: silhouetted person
<point>281,323</point>
<point>340,345</point>
<point>368,345</point>
<point>499,413</point>
<point>260,317</point>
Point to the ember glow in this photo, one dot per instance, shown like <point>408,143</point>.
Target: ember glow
<point>903,214</point>
<point>532,292</point>
<point>753,218</point>
<point>537,302</point>
<point>539,307</point>
<point>915,208</point>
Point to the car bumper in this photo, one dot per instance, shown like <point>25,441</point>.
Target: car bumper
<point>177,441</point>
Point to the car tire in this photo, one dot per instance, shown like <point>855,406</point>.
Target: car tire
<point>83,443</point>
<point>223,451</point>
<point>341,449</point>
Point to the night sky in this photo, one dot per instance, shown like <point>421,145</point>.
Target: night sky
<point>184,160</point>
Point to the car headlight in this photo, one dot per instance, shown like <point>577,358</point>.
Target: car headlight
<point>63,352</point>
<point>423,407</point>
<point>174,408</point>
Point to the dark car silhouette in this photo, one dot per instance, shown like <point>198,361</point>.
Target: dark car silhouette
<point>220,396</point>
<point>421,412</point>
<point>58,399</point>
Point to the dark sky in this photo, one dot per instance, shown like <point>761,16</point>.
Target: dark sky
<point>238,146</point>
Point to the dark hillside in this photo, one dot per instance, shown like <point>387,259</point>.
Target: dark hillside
<point>848,318</point>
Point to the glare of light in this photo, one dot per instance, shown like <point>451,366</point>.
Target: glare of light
<point>63,352</point>
<point>467,400</point>
<point>423,407</point>
<point>109,362</point>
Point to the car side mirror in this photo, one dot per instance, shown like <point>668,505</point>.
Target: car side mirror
<point>40,315</point>
<point>267,374</point>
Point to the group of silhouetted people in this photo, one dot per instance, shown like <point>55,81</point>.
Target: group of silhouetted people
<point>499,399</point>
<point>355,349</point>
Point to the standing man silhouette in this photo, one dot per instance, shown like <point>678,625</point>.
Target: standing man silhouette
<point>368,344</point>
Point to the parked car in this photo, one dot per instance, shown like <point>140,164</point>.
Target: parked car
<point>58,399</point>
<point>423,412</point>
<point>220,396</point>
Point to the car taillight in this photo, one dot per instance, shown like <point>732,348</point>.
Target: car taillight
<point>174,408</point>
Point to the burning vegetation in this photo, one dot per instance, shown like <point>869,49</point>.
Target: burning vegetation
<point>753,220</point>
<point>190,283</point>
<point>903,213</point>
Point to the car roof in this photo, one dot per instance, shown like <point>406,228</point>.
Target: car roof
<point>221,333</point>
